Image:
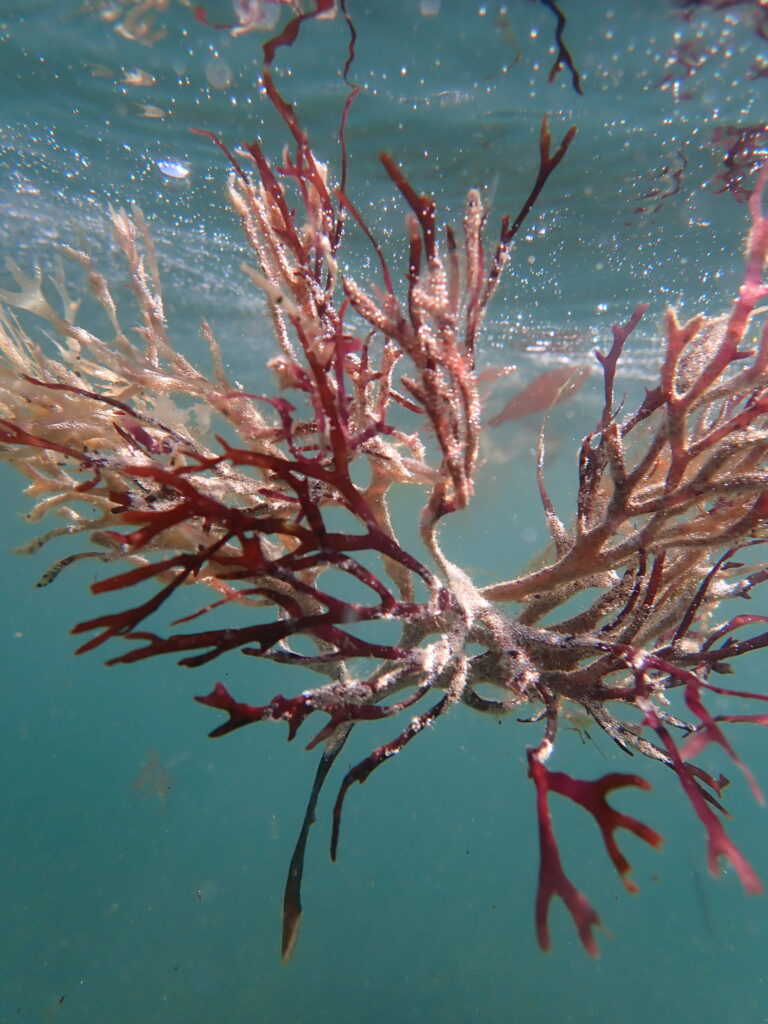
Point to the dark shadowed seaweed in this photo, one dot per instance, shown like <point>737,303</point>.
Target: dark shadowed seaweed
<point>285,511</point>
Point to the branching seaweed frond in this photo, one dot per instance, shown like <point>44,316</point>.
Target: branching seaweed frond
<point>281,503</point>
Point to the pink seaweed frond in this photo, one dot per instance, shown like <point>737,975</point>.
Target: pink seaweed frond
<point>591,795</point>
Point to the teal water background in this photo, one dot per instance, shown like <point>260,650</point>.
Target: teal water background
<point>122,905</point>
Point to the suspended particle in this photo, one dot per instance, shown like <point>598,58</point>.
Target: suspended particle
<point>173,169</point>
<point>148,110</point>
<point>218,73</point>
<point>138,78</point>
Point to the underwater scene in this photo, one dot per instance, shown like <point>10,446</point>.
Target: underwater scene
<point>384,443</point>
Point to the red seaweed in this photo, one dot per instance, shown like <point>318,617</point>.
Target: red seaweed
<point>288,508</point>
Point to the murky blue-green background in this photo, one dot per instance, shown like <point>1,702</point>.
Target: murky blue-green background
<point>121,905</point>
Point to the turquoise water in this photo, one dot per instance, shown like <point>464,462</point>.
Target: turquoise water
<point>142,864</point>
